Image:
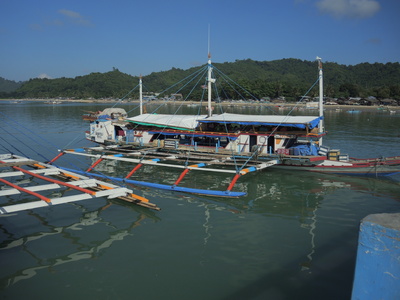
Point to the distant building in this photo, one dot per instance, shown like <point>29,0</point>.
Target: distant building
<point>389,102</point>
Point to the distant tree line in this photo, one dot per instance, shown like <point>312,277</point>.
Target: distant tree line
<point>289,78</point>
<point>8,86</point>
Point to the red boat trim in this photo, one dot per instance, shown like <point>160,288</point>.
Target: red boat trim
<point>56,181</point>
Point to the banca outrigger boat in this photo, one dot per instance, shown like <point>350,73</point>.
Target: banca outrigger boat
<point>215,142</point>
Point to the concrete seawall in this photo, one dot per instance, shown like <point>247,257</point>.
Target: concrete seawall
<point>377,274</point>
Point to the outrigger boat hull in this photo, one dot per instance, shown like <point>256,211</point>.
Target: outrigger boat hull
<point>353,166</point>
<point>357,169</point>
<point>239,141</point>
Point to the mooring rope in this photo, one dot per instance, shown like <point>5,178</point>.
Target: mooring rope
<point>120,100</point>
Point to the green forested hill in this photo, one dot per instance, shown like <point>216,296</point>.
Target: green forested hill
<point>286,77</point>
<point>8,86</point>
<point>94,85</point>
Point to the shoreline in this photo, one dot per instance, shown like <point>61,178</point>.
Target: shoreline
<point>236,103</point>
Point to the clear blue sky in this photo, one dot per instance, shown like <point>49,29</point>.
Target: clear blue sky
<point>68,38</point>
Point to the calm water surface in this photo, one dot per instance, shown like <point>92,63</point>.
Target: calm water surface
<point>294,236</point>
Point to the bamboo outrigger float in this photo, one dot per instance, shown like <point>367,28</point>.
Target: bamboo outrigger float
<point>81,187</point>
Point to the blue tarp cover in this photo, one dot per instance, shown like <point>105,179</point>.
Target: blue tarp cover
<point>305,150</point>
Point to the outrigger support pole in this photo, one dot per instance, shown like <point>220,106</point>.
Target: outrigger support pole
<point>236,177</point>
<point>62,152</point>
<point>138,167</point>
<point>95,164</point>
<point>57,157</point>
<point>183,174</point>
<point>133,171</point>
<point>233,182</point>
<point>41,197</point>
<point>56,181</point>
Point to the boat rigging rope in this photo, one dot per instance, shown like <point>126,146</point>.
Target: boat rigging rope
<point>192,76</point>
<point>227,131</point>
<point>120,100</point>
<point>16,126</point>
<point>276,128</point>
<point>304,96</point>
<point>47,147</point>
<point>8,150</point>
<point>229,81</point>
<point>180,106</point>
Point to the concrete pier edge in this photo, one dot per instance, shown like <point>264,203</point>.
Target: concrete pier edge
<point>377,273</point>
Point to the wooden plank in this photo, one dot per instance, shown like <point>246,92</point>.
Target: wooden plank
<point>46,172</point>
<point>37,204</point>
<point>38,188</point>
<point>17,163</point>
<point>84,183</point>
<point>11,174</point>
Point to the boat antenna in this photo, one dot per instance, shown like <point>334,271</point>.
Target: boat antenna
<point>321,100</point>
<point>209,41</point>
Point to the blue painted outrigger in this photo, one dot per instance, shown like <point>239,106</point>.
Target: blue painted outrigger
<point>173,188</point>
<point>92,172</point>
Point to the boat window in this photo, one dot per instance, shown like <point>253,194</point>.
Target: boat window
<point>288,143</point>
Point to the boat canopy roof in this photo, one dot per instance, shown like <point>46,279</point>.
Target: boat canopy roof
<point>268,120</point>
<point>184,122</point>
<point>190,122</point>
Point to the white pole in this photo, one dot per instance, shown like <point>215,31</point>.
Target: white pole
<point>321,99</point>
<point>209,85</point>
<point>140,95</point>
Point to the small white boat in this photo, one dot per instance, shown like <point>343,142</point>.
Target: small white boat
<point>53,102</point>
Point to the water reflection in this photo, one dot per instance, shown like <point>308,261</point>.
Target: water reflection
<point>80,246</point>
<point>294,235</point>
<point>296,199</point>
<point>273,192</point>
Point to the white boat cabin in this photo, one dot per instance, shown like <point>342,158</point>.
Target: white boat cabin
<point>237,133</point>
